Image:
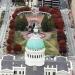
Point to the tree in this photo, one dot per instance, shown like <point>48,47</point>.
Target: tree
<point>63,50</point>
<point>59,23</point>
<point>9,48</point>
<point>44,23</point>
<point>21,23</point>
<point>12,26</point>
<point>14,15</point>
<point>51,25</point>
<point>44,8</point>
<point>47,24</point>
<point>17,48</point>
<point>9,41</point>
<point>11,32</point>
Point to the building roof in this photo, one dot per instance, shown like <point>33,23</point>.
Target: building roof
<point>62,64</point>
<point>35,43</point>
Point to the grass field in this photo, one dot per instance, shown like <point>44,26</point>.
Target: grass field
<point>51,44</point>
<point>19,39</point>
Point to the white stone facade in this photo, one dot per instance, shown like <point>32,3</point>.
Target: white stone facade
<point>35,58</point>
<point>6,72</point>
<point>19,70</point>
<point>22,70</point>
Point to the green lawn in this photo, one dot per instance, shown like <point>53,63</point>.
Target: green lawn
<point>19,39</point>
<point>52,45</point>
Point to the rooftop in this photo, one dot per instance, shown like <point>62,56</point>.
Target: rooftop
<point>57,62</point>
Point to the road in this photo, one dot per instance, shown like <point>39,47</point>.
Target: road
<point>4,26</point>
<point>69,32</point>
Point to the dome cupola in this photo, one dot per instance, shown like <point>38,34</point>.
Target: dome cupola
<point>35,50</point>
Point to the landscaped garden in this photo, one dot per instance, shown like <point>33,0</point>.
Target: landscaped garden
<point>52,27</point>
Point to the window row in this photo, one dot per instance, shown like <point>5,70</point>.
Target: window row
<point>48,73</point>
<point>34,56</point>
<point>6,74</point>
<point>20,72</point>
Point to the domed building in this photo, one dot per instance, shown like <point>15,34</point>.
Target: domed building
<point>35,50</point>
<point>35,62</point>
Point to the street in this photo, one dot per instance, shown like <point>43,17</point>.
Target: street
<point>69,32</point>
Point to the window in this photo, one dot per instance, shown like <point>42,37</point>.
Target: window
<point>32,56</point>
<point>37,56</point>
<point>54,73</point>
<point>23,72</point>
<point>48,73</point>
<point>15,72</point>
<point>19,72</point>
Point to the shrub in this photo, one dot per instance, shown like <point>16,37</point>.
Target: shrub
<point>17,48</point>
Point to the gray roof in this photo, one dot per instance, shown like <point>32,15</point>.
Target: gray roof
<point>19,63</point>
<point>8,57</point>
<point>61,63</point>
<point>7,64</point>
<point>37,71</point>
